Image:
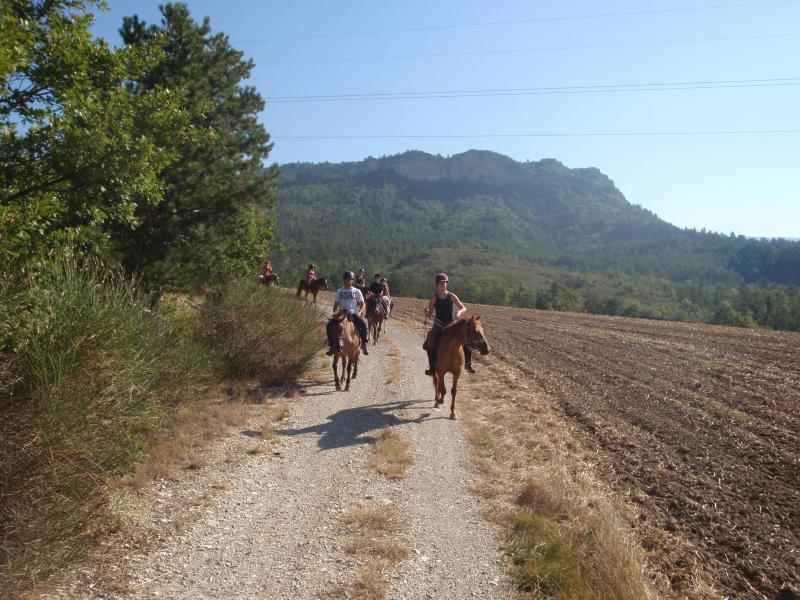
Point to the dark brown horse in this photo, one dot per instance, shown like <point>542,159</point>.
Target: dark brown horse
<point>347,346</point>
<point>450,356</point>
<point>376,315</point>
<point>311,288</point>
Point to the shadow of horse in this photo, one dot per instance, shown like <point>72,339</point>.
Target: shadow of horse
<point>353,426</point>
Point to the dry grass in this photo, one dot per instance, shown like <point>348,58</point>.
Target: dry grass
<point>389,550</point>
<point>566,536</point>
<point>370,584</point>
<point>372,541</point>
<point>180,445</point>
<point>372,520</point>
<point>391,455</point>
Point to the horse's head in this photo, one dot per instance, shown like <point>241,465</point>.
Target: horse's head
<point>324,284</point>
<point>475,335</point>
<point>336,328</point>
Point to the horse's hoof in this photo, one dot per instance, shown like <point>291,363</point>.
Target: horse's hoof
<point>453,416</point>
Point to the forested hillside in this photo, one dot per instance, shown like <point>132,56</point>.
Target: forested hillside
<point>547,236</point>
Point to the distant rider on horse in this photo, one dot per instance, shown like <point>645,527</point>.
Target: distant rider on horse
<point>388,296</point>
<point>440,307</point>
<point>350,300</point>
<point>361,279</point>
<point>378,289</point>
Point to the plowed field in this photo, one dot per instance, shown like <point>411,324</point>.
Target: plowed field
<point>698,425</point>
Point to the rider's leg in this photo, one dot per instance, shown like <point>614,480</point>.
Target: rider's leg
<point>361,326</point>
<point>331,339</point>
<point>430,343</point>
<point>468,359</point>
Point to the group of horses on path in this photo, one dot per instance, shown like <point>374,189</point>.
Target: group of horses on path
<point>449,350</point>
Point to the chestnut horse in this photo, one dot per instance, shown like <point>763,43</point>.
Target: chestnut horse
<point>376,313</point>
<point>450,356</point>
<point>347,346</point>
<point>311,288</point>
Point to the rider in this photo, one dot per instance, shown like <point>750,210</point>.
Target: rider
<point>441,306</point>
<point>350,300</point>
<point>377,289</point>
<point>311,274</point>
<point>388,297</point>
<point>267,270</point>
<point>361,279</point>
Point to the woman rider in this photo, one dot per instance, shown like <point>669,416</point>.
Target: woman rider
<point>440,306</point>
<point>311,274</point>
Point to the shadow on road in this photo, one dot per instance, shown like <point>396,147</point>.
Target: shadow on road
<point>352,426</point>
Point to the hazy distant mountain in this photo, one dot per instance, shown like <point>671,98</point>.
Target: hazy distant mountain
<point>385,211</point>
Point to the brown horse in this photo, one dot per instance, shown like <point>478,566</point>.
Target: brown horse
<point>347,346</point>
<point>311,288</point>
<point>376,313</point>
<point>450,356</point>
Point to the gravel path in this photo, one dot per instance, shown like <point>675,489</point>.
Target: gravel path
<point>276,529</point>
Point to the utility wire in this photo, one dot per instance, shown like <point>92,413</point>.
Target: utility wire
<point>540,135</point>
<point>588,89</point>
<point>523,21</point>
<point>530,50</point>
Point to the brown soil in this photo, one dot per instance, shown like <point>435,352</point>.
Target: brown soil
<point>697,425</point>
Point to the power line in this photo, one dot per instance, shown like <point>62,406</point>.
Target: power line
<point>523,21</point>
<point>587,89</point>
<point>538,135</point>
<point>529,50</point>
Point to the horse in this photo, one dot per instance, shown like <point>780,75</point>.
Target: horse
<point>450,356</point>
<point>270,280</point>
<point>311,288</point>
<point>347,346</point>
<point>376,315</point>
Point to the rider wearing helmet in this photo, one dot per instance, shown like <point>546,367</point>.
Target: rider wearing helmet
<point>445,308</point>
<point>377,289</point>
<point>350,300</point>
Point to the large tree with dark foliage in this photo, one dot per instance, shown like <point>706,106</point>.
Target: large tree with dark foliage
<point>212,218</point>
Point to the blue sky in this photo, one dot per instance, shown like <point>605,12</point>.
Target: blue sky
<point>748,184</point>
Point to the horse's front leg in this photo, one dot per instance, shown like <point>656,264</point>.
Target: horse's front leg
<point>453,395</point>
<point>349,369</point>
<point>355,367</point>
<point>336,372</point>
<point>438,387</point>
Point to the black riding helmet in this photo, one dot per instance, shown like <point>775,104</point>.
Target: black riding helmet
<point>348,275</point>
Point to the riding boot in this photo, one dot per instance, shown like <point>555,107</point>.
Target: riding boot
<point>468,359</point>
<point>331,340</point>
<point>431,362</point>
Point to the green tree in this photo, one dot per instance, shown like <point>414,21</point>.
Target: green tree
<point>80,153</point>
<point>219,182</point>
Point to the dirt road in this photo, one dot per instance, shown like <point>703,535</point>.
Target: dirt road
<point>275,530</point>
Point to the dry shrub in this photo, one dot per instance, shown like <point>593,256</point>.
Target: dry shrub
<point>391,455</point>
<point>263,332</point>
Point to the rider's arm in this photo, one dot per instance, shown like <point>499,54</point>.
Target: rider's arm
<point>460,308</point>
<point>429,309</point>
<point>360,308</point>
